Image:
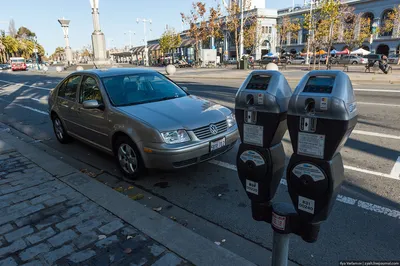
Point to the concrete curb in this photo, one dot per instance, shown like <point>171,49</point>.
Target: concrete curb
<point>172,235</point>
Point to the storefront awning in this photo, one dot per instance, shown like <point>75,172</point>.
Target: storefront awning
<point>187,43</point>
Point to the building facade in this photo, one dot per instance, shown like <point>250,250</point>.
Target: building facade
<point>376,10</point>
<point>267,40</point>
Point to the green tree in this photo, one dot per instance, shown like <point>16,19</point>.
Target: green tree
<point>3,58</point>
<point>202,24</point>
<point>356,29</point>
<point>233,24</point>
<point>25,33</point>
<point>170,40</point>
<point>25,48</point>
<point>11,45</point>
<point>285,28</point>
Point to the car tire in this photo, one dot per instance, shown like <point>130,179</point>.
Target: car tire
<point>354,63</point>
<point>289,63</point>
<point>59,130</point>
<point>128,158</point>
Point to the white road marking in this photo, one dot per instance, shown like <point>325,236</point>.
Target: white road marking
<point>380,104</point>
<point>369,172</point>
<point>377,90</point>
<point>395,173</point>
<point>374,134</point>
<point>344,199</point>
<point>24,85</point>
<point>34,99</point>
<point>26,107</point>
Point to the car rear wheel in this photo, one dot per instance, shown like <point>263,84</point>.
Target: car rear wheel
<point>354,63</point>
<point>128,158</point>
<point>59,130</point>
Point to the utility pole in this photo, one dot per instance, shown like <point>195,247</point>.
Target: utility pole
<point>308,39</point>
<point>241,30</point>
<point>146,53</point>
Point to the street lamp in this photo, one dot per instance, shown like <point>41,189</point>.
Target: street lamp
<point>35,50</point>
<point>98,38</point>
<point>146,61</point>
<point>130,37</point>
<point>65,27</point>
<point>371,39</point>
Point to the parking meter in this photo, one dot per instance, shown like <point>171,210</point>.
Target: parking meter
<point>321,116</point>
<point>261,109</point>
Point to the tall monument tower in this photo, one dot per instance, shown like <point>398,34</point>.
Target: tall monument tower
<point>98,38</point>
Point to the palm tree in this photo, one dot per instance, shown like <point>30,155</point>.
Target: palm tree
<point>26,48</point>
<point>2,52</point>
<point>11,45</point>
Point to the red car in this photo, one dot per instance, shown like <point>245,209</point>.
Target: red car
<point>18,63</point>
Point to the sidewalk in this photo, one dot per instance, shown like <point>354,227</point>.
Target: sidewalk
<point>53,214</point>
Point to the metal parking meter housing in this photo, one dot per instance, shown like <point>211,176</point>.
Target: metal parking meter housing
<point>323,105</point>
<point>321,116</point>
<point>261,109</point>
<point>262,101</point>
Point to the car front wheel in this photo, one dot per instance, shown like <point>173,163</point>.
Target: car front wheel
<point>59,130</point>
<point>128,158</point>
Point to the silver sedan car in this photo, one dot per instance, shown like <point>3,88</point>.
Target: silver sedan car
<point>141,117</point>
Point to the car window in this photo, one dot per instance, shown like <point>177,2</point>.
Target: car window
<point>69,87</point>
<point>90,90</point>
<point>141,88</point>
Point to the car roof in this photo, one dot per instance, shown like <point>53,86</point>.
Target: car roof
<point>109,72</point>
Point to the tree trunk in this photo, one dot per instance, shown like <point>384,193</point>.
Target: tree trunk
<point>315,57</point>
<point>237,50</point>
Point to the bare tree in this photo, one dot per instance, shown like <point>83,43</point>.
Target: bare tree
<point>11,28</point>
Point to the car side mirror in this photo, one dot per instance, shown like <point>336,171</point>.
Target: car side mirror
<point>185,89</point>
<point>92,104</point>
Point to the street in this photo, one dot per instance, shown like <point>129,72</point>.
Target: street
<point>209,199</point>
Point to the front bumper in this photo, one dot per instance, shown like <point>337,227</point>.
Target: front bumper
<point>162,157</point>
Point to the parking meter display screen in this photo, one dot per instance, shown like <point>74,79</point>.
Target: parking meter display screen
<point>258,82</point>
<point>321,84</point>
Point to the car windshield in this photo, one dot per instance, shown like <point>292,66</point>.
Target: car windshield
<point>18,60</point>
<point>141,88</point>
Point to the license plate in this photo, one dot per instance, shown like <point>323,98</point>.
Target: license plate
<point>215,145</point>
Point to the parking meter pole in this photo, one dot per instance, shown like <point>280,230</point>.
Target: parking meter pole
<point>280,249</point>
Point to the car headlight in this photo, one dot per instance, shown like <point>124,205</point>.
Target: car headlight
<point>231,120</point>
<point>176,136</point>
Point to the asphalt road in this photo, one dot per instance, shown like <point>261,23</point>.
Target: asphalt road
<point>365,221</point>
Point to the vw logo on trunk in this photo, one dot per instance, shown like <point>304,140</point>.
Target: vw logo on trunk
<point>213,129</point>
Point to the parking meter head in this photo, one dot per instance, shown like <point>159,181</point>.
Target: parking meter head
<point>313,186</point>
<point>322,113</point>
<point>261,105</point>
<point>260,170</point>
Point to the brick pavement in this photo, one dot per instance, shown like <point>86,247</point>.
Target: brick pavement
<point>46,222</point>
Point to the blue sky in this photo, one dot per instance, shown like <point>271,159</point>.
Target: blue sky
<point>116,18</point>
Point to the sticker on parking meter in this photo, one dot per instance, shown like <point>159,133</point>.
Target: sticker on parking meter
<point>308,169</point>
<point>306,205</point>
<point>324,103</point>
<point>278,221</point>
<point>251,186</point>
<point>260,99</point>
<point>252,156</point>
<point>253,134</point>
<point>311,145</point>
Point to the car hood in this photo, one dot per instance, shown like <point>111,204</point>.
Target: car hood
<point>189,112</point>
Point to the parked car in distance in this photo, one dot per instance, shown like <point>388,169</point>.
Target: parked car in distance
<point>393,59</point>
<point>4,66</point>
<point>18,63</point>
<point>299,60</point>
<point>232,61</point>
<point>374,57</point>
<point>141,117</point>
<point>352,60</point>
